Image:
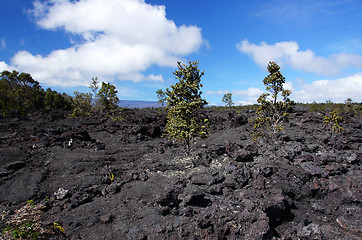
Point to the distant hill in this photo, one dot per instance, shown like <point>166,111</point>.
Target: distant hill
<point>138,104</point>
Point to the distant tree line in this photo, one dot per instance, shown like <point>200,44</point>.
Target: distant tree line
<point>20,94</point>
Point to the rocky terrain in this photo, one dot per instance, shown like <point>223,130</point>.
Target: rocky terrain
<point>105,180</point>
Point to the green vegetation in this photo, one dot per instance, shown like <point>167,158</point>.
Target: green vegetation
<point>334,121</point>
<point>184,102</point>
<point>271,112</point>
<point>161,95</point>
<point>54,100</point>
<point>26,223</point>
<point>103,100</point>
<point>111,177</point>
<point>21,94</point>
<point>108,100</point>
<point>82,104</point>
<point>347,107</point>
<point>227,99</point>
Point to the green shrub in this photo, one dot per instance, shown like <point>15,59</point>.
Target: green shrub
<point>271,113</point>
<point>54,100</point>
<point>82,104</point>
<point>227,99</point>
<point>184,102</point>
<point>334,121</point>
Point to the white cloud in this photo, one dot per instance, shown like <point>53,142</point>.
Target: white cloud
<point>4,66</point>
<point>218,92</point>
<point>288,53</point>
<point>249,95</point>
<point>120,39</point>
<point>250,92</point>
<point>337,90</point>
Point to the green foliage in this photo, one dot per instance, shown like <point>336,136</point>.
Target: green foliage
<point>227,99</point>
<point>161,95</point>
<point>107,97</point>
<point>58,227</point>
<point>54,100</point>
<point>184,102</point>
<point>333,120</point>
<point>271,112</point>
<point>82,104</point>
<point>26,223</point>
<point>348,107</point>
<point>19,92</point>
<point>111,177</point>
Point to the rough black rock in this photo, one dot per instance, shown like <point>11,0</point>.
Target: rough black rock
<point>121,180</point>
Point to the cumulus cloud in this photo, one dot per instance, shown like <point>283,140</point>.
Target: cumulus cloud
<point>250,92</point>
<point>4,66</point>
<point>119,39</point>
<point>218,92</point>
<point>337,90</point>
<point>288,53</point>
<point>249,96</point>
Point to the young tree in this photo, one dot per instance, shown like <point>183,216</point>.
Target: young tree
<point>184,102</point>
<point>161,95</point>
<point>271,112</point>
<point>107,97</point>
<point>334,121</point>
<point>108,100</point>
<point>82,104</point>
<point>227,99</point>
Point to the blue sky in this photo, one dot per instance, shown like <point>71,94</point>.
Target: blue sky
<point>136,44</point>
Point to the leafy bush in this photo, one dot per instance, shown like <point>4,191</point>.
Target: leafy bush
<point>82,104</point>
<point>106,99</point>
<point>54,100</point>
<point>227,99</point>
<point>333,120</point>
<point>184,102</point>
<point>271,112</point>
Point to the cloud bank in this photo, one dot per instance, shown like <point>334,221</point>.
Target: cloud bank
<point>337,90</point>
<point>119,39</point>
<point>288,53</point>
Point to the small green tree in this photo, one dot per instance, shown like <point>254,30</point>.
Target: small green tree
<point>334,120</point>
<point>184,102</point>
<point>271,112</point>
<point>94,86</point>
<point>161,95</point>
<point>82,104</point>
<point>227,99</point>
<point>108,99</point>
